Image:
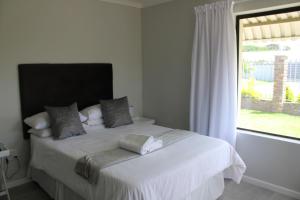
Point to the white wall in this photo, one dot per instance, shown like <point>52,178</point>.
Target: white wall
<point>271,160</point>
<point>167,43</point>
<point>59,31</point>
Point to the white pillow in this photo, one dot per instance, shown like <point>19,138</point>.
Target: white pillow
<point>95,122</point>
<point>94,112</point>
<point>42,120</point>
<point>41,133</point>
<point>38,121</point>
<point>82,117</point>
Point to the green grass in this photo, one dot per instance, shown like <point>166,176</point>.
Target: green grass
<point>276,123</point>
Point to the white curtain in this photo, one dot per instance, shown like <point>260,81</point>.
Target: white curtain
<point>213,109</point>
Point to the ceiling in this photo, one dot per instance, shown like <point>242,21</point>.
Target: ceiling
<point>147,3</point>
<point>271,27</point>
<point>138,3</point>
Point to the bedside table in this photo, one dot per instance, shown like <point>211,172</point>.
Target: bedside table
<point>4,153</point>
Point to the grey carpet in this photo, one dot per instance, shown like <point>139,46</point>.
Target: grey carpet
<point>243,191</point>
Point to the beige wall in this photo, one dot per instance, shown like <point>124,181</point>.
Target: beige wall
<point>167,43</point>
<point>59,31</point>
<point>167,39</point>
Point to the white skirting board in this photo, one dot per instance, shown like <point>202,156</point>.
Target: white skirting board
<point>272,187</point>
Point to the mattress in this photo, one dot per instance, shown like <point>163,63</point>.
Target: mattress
<point>171,173</point>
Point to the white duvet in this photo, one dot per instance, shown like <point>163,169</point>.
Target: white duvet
<point>171,173</point>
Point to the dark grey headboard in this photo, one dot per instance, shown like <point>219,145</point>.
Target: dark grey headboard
<point>62,84</point>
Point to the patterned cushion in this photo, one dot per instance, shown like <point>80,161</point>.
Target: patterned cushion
<point>115,112</point>
<point>65,121</point>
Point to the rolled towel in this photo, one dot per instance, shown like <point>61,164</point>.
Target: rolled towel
<point>141,144</point>
<point>157,144</point>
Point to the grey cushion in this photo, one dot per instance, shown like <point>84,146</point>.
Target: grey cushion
<point>115,112</point>
<point>65,121</point>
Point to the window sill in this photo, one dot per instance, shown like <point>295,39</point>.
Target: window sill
<point>272,137</point>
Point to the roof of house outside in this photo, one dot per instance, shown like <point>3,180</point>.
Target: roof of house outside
<point>284,26</point>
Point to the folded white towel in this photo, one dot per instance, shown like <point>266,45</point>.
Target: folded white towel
<point>157,144</point>
<point>141,144</point>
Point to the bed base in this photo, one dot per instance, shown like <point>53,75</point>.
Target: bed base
<point>54,188</point>
<point>211,190</point>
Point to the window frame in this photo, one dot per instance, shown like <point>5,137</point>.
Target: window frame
<point>258,14</point>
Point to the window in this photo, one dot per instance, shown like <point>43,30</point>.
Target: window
<point>269,72</point>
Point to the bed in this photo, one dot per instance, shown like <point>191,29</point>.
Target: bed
<point>193,168</point>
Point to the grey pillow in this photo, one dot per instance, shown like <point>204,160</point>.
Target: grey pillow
<point>65,121</point>
<point>115,112</point>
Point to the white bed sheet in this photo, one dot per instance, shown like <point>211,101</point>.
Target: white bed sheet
<point>171,173</point>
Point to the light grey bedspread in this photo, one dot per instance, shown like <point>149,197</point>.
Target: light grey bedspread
<point>90,166</point>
